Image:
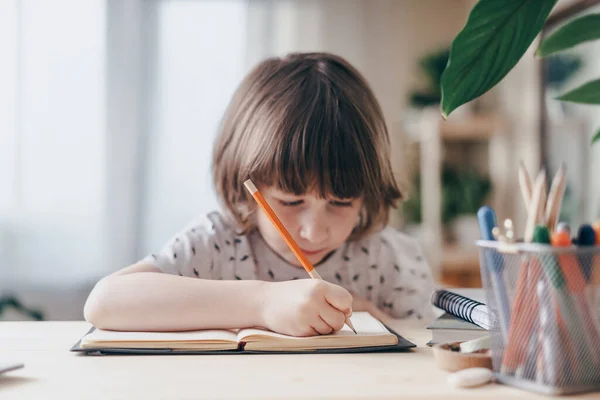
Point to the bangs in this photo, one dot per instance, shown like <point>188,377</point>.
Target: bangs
<point>306,123</point>
<point>318,146</point>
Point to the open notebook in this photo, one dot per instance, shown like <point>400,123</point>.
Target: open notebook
<point>372,336</point>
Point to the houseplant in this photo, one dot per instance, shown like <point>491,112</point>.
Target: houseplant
<point>432,66</point>
<point>7,302</point>
<point>494,39</point>
<point>463,192</point>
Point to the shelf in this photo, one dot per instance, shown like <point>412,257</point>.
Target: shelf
<point>436,138</point>
<point>477,127</point>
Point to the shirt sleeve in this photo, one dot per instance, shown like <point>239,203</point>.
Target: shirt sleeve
<point>192,252</point>
<point>406,290</point>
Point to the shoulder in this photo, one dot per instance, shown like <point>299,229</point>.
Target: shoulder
<point>389,240</point>
<point>213,221</point>
<point>400,242</point>
<point>199,248</point>
<point>212,224</point>
<point>391,251</point>
<point>204,232</point>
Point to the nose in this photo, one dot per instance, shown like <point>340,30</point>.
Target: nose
<point>314,228</point>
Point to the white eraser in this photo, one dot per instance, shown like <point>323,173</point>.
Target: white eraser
<point>250,186</point>
<point>470,377</point>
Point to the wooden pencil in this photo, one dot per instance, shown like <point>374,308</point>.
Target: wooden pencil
<point>286,236</point>
<point>557,191</point>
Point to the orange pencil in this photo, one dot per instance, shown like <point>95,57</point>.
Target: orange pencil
<point>286,236</point>
<point>522,320</point>
<point>596,227</point>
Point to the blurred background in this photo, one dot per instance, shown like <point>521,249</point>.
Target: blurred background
<point>108,110</point>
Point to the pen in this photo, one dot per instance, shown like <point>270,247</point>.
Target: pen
<point>487,222</point>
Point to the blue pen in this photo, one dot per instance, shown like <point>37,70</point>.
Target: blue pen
<point>495,263</point>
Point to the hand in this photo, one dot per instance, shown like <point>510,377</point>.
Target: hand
<point>305,307</point>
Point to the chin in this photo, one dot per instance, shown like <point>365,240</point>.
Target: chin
<point>294,261</point>
<point>314,260</point>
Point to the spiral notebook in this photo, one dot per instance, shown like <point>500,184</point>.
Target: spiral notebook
<point>462,307</point>
<point>464,318</point>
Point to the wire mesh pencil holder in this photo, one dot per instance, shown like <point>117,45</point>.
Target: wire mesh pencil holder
<point>544,302</point>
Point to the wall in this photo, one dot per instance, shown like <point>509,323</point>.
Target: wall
<point>384,39</point>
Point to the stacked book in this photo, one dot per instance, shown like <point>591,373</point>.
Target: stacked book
<point>463,318</point>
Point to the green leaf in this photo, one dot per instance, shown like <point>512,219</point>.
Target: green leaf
<point>596,137</point>
<point>494,39</point>
<point>588,93</point>
<point>573,33</point>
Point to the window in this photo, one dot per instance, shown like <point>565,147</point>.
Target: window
<point>51,139</point>
<point>196,62</point>
<point>66,135</point>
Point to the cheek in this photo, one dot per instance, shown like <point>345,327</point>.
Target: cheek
<point>265,226</point>
<point>270,232</point>
<point>344,224</point>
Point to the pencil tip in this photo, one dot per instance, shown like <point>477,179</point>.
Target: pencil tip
<point>351,326</point>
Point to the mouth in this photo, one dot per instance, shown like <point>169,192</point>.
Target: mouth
<point>312,253</point>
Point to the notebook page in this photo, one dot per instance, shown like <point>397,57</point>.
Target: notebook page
<point>364,323</point>
<point>104,336</point>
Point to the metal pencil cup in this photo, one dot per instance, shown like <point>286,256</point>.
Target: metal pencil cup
<point>545,321</point>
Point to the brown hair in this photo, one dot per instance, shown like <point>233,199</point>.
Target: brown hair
<point>306,122</point>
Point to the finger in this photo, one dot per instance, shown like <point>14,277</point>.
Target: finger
<point>321,326</point>
<point>305,332</point>
<point>332,317</point>
<point>348,312</point>
<point>339,298</point>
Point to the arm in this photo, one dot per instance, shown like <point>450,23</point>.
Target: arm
<point>140,297</point>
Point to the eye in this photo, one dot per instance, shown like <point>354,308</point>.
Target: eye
<point>291,203</point>
<point>338,203</point>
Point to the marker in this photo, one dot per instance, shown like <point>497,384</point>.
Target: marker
<point>596,227</point>
<point>586,237</point>
<point>568,310</point>
<point>552,366</point>
<point>563,227</point>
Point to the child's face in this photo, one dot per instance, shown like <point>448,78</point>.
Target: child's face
<point>318,226</point>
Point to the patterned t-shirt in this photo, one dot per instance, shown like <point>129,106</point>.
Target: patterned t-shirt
<point>386,268</point>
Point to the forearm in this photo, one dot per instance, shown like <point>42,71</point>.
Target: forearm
<point>160,302</point>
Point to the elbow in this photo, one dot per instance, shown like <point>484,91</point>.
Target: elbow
<point>97,306</point>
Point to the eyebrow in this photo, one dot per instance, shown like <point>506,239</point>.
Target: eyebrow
<point>330,198</point>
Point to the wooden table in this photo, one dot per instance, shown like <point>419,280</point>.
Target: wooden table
<point>51,371</point>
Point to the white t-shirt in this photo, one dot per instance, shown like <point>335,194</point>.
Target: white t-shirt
<point>386,268</point>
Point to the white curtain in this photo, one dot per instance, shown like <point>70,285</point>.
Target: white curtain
<point>108,110</point>
<point>52,144</point>
<point>198,58</point>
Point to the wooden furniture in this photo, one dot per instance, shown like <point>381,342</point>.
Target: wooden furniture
<point>51,371</point>
<point>455,265</point>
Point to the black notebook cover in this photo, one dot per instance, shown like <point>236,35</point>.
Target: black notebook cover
<point>402,345</point>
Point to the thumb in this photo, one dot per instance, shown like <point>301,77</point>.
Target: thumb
<point>339,298</point>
